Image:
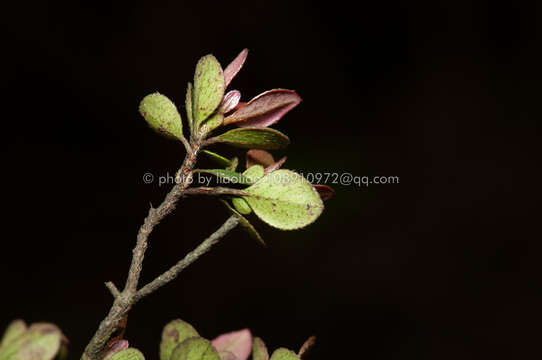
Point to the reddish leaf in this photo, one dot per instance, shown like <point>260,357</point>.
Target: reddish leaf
<point>265,109</point>
<point>233,68</point>
<point>240,105</point>
<point>325,192</point>
<point>239,343</point>
<point>275,166</point>
<point>306,347</point>
<point>259,157</point>
<point>230,101</point>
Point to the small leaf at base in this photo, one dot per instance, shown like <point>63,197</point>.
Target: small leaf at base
<point>238,343</point>
<point>14,330</point>
<point>173,334</point>
<point>259,350</point>
<point>128,354</point>
<point>284,354</point>
<point>195,348</point>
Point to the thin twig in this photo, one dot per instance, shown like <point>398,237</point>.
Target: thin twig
<point>153,218</point>
<point>113,289</point>
<point>186,145</point>
<point>174,271</point>
<point>215,191</point>
<point>125,299</point>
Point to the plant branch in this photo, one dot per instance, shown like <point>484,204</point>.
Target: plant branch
<point>125,300</point>
<point>186,145</point>
<point>174,271</point>
<point>113,289</point>
<point>215,191</point>
<point>153,218</point>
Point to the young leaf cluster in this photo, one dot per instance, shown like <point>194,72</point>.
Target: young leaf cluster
<point>281,198</point>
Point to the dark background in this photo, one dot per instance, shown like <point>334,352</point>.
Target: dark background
<point>443,94</point>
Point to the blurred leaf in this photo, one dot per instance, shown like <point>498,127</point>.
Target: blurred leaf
<point>285,200</point>
<point>195,348</point>
<point>259,157</point>
<point>208,88</point>
<point>40,342</point>
<point>259,350</point>
<point>245,224</point>
<point>238,343</point>
<point>174,333</point>
<point>15,329</point>
<point>265,109</point>
<point>188,106</point>
<point>62,353</point>
<point>161,115</point>
<point>233,68</point>
<point>306,347</point>
<point>284,354</point>
<point>256,137</point>
<point>128,354</point>
<point>254,173</point>
<point>230,101</point>
<point>228,176</point>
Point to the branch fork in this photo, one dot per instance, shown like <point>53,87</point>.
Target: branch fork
<point>124,300</point>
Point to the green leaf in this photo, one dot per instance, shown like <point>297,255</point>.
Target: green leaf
<point>208,88</point>
<point>188,106</point>
<point>284,354</point>
<point>212,123</point>
<point>254,173</point>
<point>174,333</point>
<point>259,350</point>
<point>128,354</point>
<point>221,160</point>
<point>161,115</point>
<point>115,347</point>
<point>241,205</point>
<point>40,342</point>
<point>228,176</point>
<point>285,200</point>
<point>195,348</point>
<point>254,137</point>
<point>245,224</point>
<point>15,329</point>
